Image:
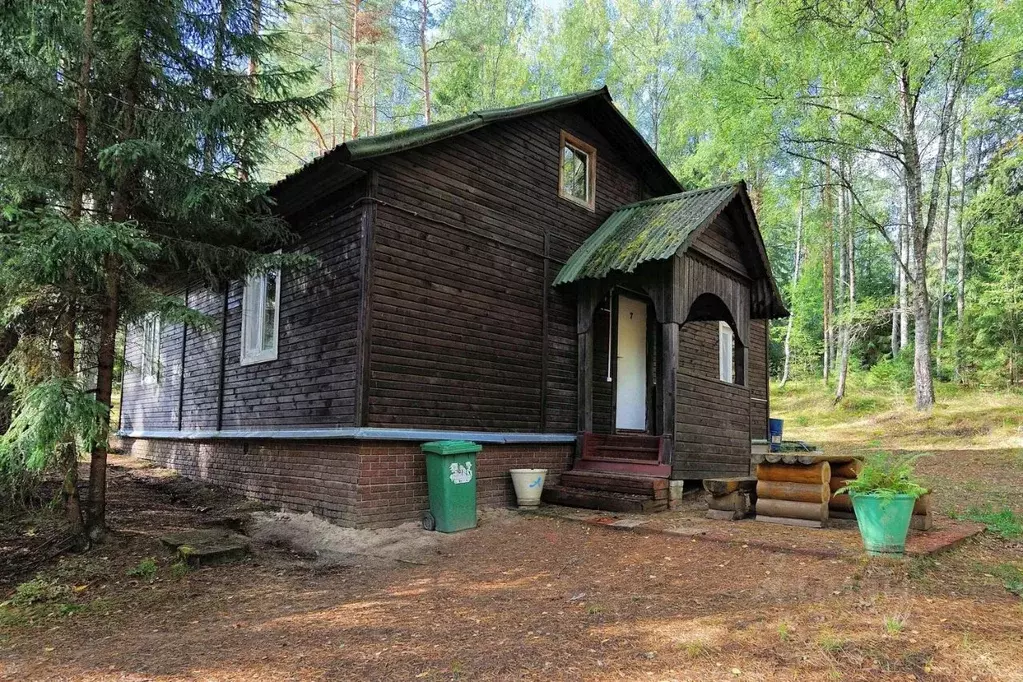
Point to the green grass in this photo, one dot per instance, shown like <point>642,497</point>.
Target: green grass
<point>1012,578</point>
<point>1005,523</point>
<point>146,569</point>
<point>893,625</point>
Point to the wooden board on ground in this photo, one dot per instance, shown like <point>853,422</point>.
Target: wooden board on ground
<point>789,522</point>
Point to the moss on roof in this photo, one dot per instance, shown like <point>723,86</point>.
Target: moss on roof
<point>654,229</point>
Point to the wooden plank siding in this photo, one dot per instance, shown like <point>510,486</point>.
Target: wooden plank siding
<point>758,378</point>
<point>458,290</point>
<point>712,417</point>
<point>152,405</point>
<point>202,362</point>
<point>312,381</point>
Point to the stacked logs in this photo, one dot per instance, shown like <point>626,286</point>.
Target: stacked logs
<point>841,474</point>
<point>793,494</point>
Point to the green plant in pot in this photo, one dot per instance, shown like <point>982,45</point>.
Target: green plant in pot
<point>883,495</point>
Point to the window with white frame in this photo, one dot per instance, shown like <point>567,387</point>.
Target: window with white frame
<point>261,301</point>
<point>726,352</point>
<point>150,362</point>
<point>578,171</point>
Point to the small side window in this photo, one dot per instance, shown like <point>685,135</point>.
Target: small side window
<point>726,352</point>
<point>578,179</point>
<point>261,301</point>
<point>151,349</point>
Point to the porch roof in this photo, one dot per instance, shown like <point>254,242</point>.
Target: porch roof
<point>654,229</point>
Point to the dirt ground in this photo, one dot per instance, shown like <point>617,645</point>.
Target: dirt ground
<point>523,597</point>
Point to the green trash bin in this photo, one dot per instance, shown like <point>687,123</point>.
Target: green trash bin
<point>451,479</point>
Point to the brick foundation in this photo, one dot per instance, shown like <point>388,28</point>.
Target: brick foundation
<point>352,482</point>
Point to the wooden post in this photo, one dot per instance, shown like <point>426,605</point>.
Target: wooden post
<point>668,386</point>
<point>364,335</point>
<point>586,380</point>
<point>181,379</point>
<point>545,330</point>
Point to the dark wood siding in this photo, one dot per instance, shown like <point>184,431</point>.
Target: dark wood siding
<point>458,291</point>
<point>152,405</point>
<point>202,360</point>
<point>721,243</point>
<point>712,417</point>
<point>758,378</point>
<point>603,419</point>
<point>312,381</point>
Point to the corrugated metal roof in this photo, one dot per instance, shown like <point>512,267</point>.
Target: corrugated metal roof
<point>654,229</point>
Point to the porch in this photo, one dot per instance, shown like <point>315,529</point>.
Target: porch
<point>667,292</point>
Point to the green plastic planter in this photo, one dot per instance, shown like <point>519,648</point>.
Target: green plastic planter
<point>883,522</point>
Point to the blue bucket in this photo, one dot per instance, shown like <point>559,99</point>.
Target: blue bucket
<point>774,428</point>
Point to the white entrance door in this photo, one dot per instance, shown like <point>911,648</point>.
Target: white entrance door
<point>631,380</point>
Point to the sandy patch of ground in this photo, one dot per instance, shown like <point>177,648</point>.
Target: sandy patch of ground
<point>330,545</point>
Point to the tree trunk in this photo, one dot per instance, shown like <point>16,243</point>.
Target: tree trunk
<point>424,54</point>
<point>943,256</point>
<point>797,261</point>
<point>849,242</point>
<point>961,259</point>
<point>906,257</point>
<point>829,273</point>
<point>68,324</point>
<point>105,351</point>
<point>8,342</point>
<point>355,76</point>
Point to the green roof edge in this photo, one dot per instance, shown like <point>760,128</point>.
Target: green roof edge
<point>389,143</point>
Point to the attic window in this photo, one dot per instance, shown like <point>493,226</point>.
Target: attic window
<point>578,179</point>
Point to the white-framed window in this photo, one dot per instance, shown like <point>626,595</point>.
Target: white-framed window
<point>261,303</point>
<point>726,352</point>
<point>150,362</point>
<point>577,181</point>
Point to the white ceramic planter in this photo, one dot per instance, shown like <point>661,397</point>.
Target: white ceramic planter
<point>528,485</point>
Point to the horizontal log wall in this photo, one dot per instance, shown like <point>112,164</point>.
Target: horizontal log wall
<point>458,289</point>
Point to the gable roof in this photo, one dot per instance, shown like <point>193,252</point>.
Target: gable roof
<point>657,229</point>
<point>597,105</point>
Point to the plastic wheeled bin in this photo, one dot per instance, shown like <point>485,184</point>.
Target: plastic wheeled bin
<point>451,479</point>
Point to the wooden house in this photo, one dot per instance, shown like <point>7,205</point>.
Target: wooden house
<point>530,278</point>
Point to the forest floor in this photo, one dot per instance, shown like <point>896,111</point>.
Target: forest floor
<point>533,597</point>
